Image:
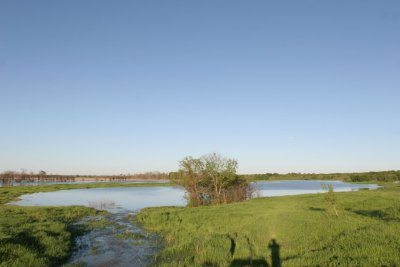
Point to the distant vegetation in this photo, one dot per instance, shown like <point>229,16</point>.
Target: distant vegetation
<point>211,179</point>
<point>11,177</point>
<point>383,176</point>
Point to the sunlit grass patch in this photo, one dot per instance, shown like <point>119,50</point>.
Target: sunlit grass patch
<point>39,236</point>
<point>366,232</point>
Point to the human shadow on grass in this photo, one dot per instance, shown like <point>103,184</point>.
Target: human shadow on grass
<point>316,209</point>
<point>249,262</point>
<point>384,215</point>
<point>275,255</point>
<point>274,248</point>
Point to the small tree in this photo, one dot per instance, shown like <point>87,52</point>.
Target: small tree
<point>330,198</point>
<point>191,177</point>
<point>211,179</point>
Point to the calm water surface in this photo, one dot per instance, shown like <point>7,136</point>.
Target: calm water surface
<point>114,200</point>
<point>298,187</point>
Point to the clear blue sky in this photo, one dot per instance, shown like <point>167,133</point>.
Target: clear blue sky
<point>109,87</point>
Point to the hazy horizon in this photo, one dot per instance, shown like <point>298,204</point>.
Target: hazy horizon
<point>99,87</point>
<point>172,170</point>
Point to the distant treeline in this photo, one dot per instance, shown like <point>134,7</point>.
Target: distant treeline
<point>8,177</point>
<point>17,177</point>
<point>383,176</point>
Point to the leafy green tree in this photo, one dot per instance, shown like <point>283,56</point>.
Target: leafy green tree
<point>211,179</point>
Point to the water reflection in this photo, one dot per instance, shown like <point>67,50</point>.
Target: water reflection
<point>102,204</point>
<point>298,187</point>
<point>114,199</point>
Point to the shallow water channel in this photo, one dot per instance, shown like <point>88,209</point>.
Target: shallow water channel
<point>121,242</point>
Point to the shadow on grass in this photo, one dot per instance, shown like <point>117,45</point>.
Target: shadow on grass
<point>316,209</point>
<point>233,245</point>
<point>384,215</point>
<point>249,262</point>
<point>274,248</point>
<point>275,256</point>
<point>372,213</point>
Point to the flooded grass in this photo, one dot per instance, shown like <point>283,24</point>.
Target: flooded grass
<point>120,243</point>
<point>45,236</point>
<point>131,235</point>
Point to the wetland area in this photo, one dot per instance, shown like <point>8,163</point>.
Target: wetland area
<point>120,237</point>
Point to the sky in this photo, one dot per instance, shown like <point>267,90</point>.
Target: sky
<point>110,87</point>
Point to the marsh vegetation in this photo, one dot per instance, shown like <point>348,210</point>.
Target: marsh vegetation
<point>382,176</point>
<point>23,177</point>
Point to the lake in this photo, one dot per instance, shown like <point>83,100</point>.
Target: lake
<point>118,199</point>
<point>114,199</point>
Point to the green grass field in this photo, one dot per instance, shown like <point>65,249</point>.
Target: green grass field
<point>366,233</point>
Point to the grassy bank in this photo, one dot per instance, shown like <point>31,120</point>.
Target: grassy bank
<point>366,233</point>
<point>33,236</point>
<point>43,236</point>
